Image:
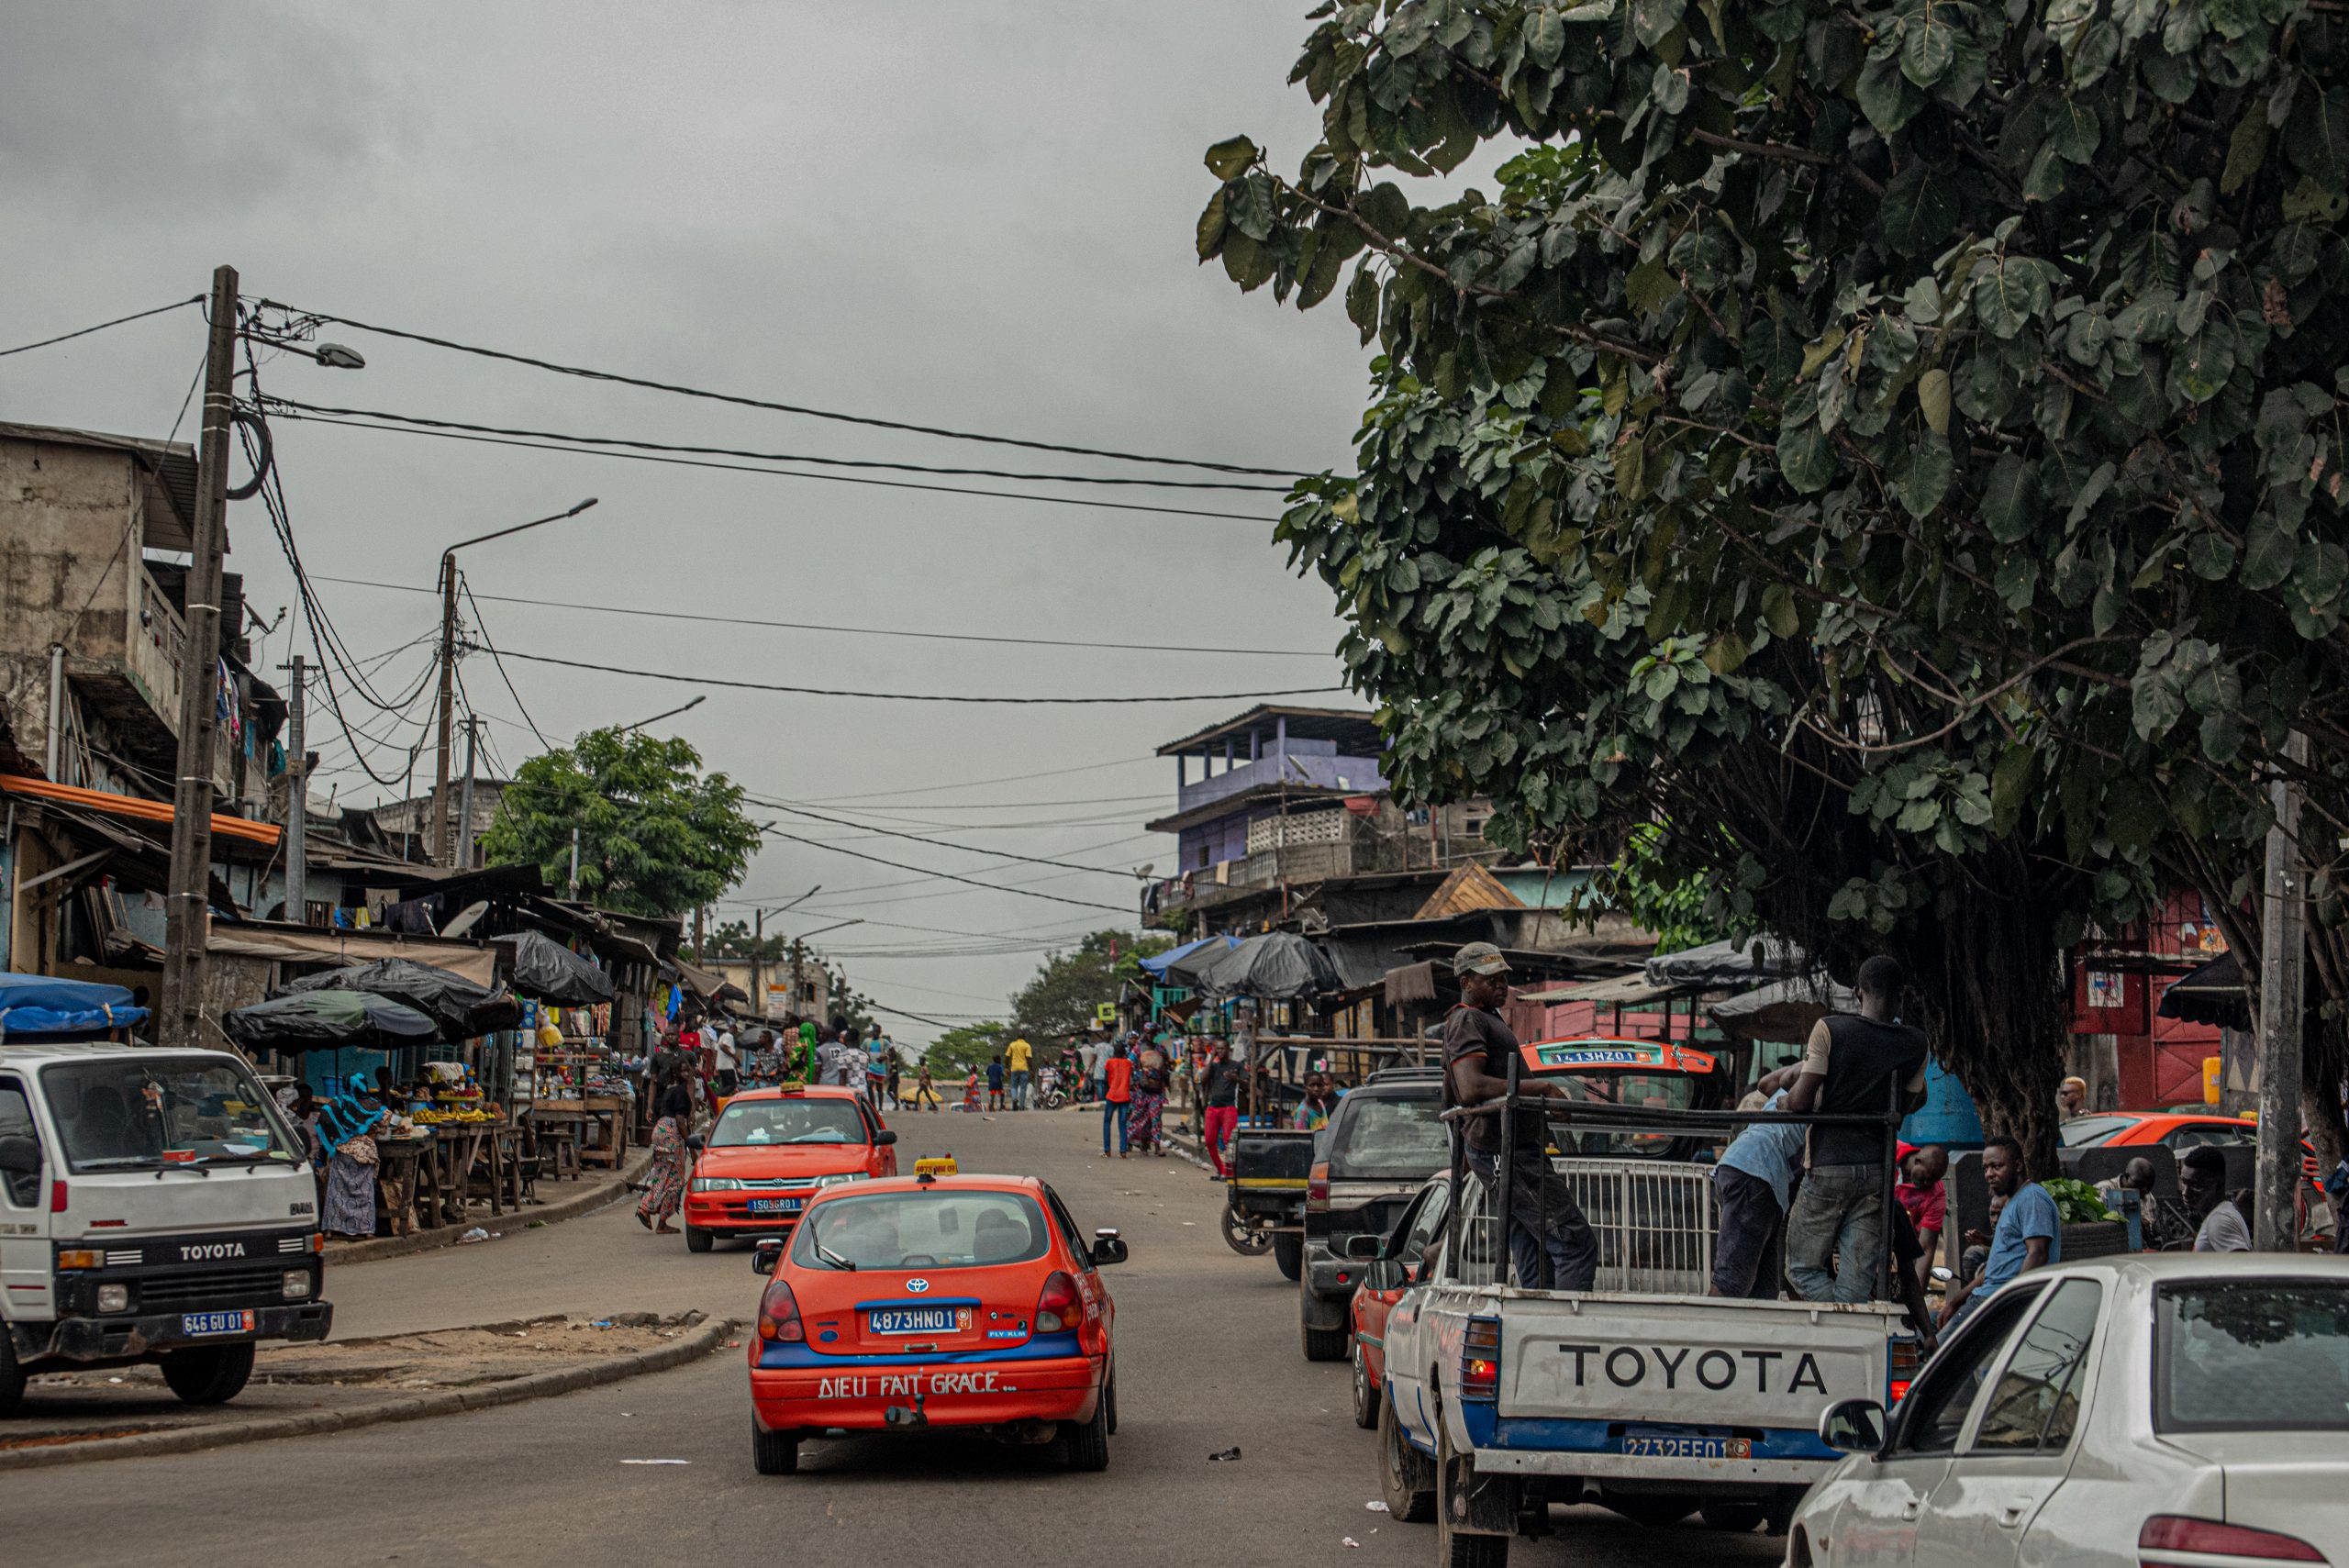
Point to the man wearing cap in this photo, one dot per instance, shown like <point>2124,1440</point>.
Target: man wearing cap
<point>1549,1242</point>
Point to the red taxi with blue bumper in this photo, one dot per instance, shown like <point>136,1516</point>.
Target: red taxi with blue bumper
<point>970,1302</point>
<point>771,1150</point>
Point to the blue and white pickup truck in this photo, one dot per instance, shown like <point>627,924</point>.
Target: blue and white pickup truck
<point>1645,1393</point>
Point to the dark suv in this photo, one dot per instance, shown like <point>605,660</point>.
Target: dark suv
<point>1382,1141</point>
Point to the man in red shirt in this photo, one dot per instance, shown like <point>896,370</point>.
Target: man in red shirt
<point>1922,1193</point>
<point>1117,1077</point>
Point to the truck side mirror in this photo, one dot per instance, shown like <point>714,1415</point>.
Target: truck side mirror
<point>19,1156</point>
<point>1852,1426</point>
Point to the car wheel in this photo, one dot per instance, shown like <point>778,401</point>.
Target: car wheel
<point>1457,1548</point>
<point>210,1377</point>
<point>12,1376</point>
<point>1733,1514</point>
<point>1288,1251</point>
<point>698,1241</point>
<point>1365,1392</point>
<point>775,1454</point>
<point>1085,1445</point>
<point>1322,1344</point>
<point>1248,1243</point>
<point>1403,1480</point>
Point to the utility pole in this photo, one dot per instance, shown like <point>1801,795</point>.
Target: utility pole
<point>574,865</point>
<point>464,860</point>
<point>297,807</point>
<point>2282,926</point>
<point>187,910</point>
<point>697,947</point>
<point>441,835</point>
<point>758,962</point>
<point>798,991</point>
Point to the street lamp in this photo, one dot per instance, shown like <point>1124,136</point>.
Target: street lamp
<point>670,713</point>
<point>440,823</point>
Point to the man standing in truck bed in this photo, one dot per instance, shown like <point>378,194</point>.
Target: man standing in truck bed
<point>1549,1240</point>
<point>1849,1068</point>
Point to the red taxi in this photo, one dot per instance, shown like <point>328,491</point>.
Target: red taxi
<point>969,1302</point>
<point>771,1152</point>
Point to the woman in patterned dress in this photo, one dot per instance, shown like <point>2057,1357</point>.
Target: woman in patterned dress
<point>673,1109</point>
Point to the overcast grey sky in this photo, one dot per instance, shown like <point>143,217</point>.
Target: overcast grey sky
<point>968,215</point>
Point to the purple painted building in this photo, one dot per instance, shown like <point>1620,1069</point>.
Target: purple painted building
<point>1267,761</point>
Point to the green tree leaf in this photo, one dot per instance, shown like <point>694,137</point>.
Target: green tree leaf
<point>1807,458</point>
<point>1227,160</point>
<point>1928,43</point>
<point>1920,208</point>
<point>1932,399</point>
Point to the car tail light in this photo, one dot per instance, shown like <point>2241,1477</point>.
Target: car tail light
<point>1907,1355</point>
<point>57,1197</point>
<point>2166,1533</point>
<point>779,1315</point>
<point>1059,1307</point>
<point>1480,1359</point>
<point>1317,1187</point>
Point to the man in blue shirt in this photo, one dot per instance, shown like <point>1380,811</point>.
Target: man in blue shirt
<point>2030,1233</point>
<point>1750,1183</point>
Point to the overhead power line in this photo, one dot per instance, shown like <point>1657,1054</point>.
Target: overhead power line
<point>634,443</point>
<point>773,407</point>
<point>1093,501</point>
<point>945,875</point>
<point>86,331</point>
<point>941,844</point>
<point>974,784</point>
<point>913,697</point>
<point>843,630</point>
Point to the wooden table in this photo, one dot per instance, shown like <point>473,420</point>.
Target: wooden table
<point>610,1110</point>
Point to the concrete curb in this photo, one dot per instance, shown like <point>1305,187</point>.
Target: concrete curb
<point>600,1196</point>
<point>444,1402</point>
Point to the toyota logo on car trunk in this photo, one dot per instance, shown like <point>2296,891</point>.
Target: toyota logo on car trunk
<point>917,1285</point>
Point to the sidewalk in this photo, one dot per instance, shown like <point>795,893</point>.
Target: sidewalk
<point>556,1201</point>
<point>339,1385</point>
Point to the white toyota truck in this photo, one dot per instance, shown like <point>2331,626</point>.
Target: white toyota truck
<point>1645,1393</point>
<point>154,1206</point>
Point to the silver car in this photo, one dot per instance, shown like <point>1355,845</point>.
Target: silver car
<point>2172,1409</point>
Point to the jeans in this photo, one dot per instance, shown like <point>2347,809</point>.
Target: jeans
<point>1019,1090</point>
<point>1217,1125</point>
<point>1839,1211</point>
<point>1745,1255</point>
<point>1549,1242</point>
<point>1115,1111</point>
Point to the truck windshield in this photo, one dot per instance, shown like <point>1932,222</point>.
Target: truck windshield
<point>1655,1091</point>
<point>1379,1138</point>
<point>120,1112</point>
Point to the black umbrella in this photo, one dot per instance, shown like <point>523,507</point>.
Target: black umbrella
<point>2210,994</point>
<point>460,1009</point>
<point>328,1020</point>
<point>545,969</point>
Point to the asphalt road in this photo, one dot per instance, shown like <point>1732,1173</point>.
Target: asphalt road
<point>1207,1355</point>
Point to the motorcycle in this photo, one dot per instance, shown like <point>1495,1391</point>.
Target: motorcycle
<point>1051,1094</point>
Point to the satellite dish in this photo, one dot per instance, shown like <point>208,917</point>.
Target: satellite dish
<point>1141,874</point>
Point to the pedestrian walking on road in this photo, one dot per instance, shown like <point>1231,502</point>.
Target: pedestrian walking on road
<point>924,1089</point>
<point>346,1132</point>
<point>1149,1103</point>
<point>1117,1097</point>
<point>1219,1094</point>
<point>1020,1057</point>
<point>1549,1242</point>
<point>1850,1067</point>
<point>995,1085</point>
<point>1094,1053</point>
<point>1753,1184</point>
<point>672,1111</point>
<point>1320,1097</point>
<point>726,1077</point>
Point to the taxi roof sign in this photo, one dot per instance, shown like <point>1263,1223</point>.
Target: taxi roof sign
<point>937,1165</point>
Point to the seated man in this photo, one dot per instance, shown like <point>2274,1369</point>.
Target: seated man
<point>2223,1225</point>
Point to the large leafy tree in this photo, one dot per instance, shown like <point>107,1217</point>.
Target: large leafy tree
<point>1069,985</point>
<point>1902,438</point>
<point>656,835</point>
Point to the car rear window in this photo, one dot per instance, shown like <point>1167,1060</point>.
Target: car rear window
<point>1388,1137</point>
<point>2252,1355</point>
<point>2087,1131</point>
<point>921,1230</point>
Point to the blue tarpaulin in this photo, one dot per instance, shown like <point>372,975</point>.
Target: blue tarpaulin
<point>1207,946</point>
<point>41,1004</point>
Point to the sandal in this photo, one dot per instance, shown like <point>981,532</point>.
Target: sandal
<point>644,1219</point>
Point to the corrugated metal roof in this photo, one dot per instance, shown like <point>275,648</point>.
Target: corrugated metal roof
<point>1468,889</point>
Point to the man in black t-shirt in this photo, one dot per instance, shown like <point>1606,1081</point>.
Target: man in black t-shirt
<point>1549,1241</point>
<point>1853,1066</point>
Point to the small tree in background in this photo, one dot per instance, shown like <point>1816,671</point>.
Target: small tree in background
<point>1069,986</point>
